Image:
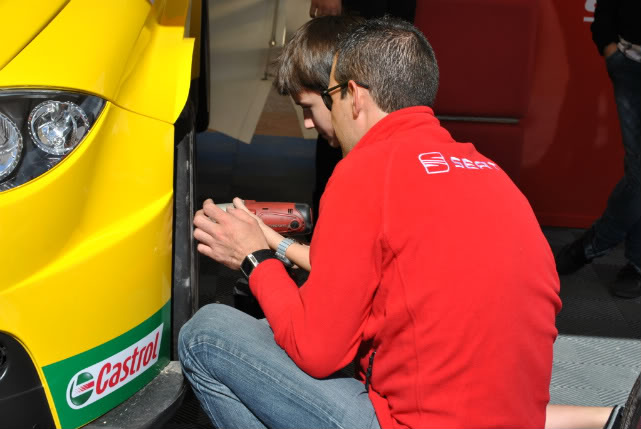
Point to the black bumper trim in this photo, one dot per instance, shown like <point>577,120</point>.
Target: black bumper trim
<point>23,402</point>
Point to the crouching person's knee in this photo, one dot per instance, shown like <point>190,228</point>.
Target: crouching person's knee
<point>199,330</point>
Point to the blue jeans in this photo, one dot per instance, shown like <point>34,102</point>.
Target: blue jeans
<point>244,379</point>
<point>620,221</point>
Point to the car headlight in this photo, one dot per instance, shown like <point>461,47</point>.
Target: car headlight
<point>38,129</point>
<point>10,146</point>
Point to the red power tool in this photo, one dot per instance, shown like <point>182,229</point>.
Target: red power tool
<point>284,218</point>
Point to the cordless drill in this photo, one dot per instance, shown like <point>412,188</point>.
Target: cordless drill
<point>284,218</point>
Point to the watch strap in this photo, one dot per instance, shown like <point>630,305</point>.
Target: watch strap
<point>252,260</point>
<point>282,249</point>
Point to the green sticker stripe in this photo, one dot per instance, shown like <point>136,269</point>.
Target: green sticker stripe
<point>66,378</point>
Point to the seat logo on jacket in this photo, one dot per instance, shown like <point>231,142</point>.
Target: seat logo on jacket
<point>435,163</point>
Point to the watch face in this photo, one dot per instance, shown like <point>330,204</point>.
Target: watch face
<point>243,270</point>
<point>248,265</point>
<point>252,260</point>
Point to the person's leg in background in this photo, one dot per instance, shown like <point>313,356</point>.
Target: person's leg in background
<point>244,379</point>
<point>577,417</point>
<point>620,220</point>
<point>628,284</point>
<point>622,416</point>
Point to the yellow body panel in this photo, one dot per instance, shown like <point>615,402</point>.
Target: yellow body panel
<point>158,75</point>
<point>88,244</point>
<point>20,24</point>
<point>86,47</point>
<point>122,50</point>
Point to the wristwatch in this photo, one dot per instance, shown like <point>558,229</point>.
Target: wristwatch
<point>282,249</point>
<point>252,260</point>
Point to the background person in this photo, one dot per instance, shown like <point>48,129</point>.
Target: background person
<point>616,32</point>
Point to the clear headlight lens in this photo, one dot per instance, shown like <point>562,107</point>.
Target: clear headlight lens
<point>10,146</point>
<point>57,127</point>
<point>38,129</point>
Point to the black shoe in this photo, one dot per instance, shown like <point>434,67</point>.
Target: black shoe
<point>627,283</point>
<point>572,256</point>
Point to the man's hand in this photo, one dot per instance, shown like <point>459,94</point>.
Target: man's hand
<point>272,237</point>
<point>227,237</point>
<point>609,50</point>
<point>240,204</point>
<point>325,8</point>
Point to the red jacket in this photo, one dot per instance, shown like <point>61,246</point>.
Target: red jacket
<point>428,253</point>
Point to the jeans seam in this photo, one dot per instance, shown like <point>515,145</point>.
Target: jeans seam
<point>305,400</point>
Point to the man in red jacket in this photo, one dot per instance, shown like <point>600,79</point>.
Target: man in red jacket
<point>429,270</point>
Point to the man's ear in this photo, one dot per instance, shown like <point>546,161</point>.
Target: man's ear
<point>357,98</point>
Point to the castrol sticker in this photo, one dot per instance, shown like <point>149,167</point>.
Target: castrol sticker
<point>103,378</point>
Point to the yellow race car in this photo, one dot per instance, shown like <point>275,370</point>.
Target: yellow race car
<point>99,104</point>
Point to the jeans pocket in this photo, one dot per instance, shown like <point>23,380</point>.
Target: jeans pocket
<point>614,64</point>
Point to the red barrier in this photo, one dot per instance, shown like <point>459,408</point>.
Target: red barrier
<point>529,67</point>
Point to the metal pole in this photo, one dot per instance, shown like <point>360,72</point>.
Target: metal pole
<point>272,41</point>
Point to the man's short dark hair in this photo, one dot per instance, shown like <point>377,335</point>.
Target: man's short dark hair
<point>394,59</point>
<point>306,61</point>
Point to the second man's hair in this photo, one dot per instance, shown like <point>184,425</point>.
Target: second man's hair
<point>394,59</point>
<point>306,61</point>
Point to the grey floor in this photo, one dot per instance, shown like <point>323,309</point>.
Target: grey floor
<point>597,355</point>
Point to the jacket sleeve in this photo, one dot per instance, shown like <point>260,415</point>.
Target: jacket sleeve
<point>320,325</point>
<point>604,28</point>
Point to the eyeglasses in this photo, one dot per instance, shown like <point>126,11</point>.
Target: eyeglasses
<point>327,99</point>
